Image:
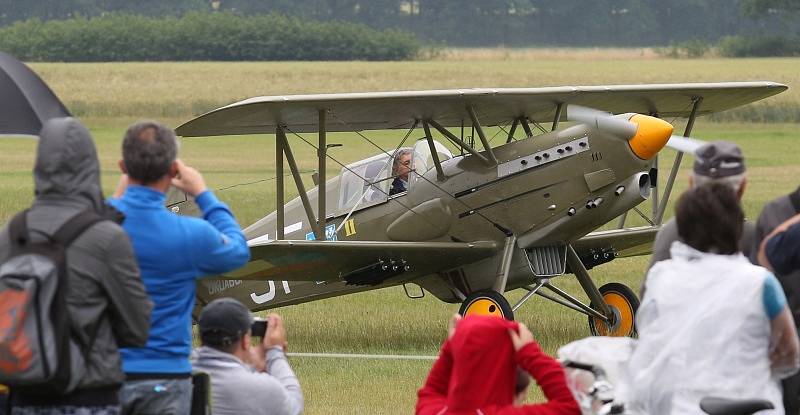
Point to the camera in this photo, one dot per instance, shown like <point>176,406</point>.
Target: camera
<point>259,327</point>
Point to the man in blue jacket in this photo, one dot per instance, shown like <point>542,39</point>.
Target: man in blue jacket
<point>172,252</point>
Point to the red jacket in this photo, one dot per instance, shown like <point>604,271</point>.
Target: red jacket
<point>475,373</point>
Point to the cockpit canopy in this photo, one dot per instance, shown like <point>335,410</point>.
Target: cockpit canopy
<point>366,182</point>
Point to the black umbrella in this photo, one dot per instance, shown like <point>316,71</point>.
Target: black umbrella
<point>26,102</point>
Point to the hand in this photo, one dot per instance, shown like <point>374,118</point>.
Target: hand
<point>276,334</point>
<point>519,340</point>
<point>122,185</point>
<point>188,179</point>
<point>451,327</point>
<point>256,356</point>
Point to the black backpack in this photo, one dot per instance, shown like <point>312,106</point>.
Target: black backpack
<point>37,349</point>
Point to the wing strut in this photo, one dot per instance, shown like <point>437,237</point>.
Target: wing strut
<point>460,142</point>
<point>322,149</point>
<point>526,127</point>
<point>505,264</point>
<point>512,130</point>
<point>677,164</point>
<point>279,197</point>
<point>434,154</point>
<point>476,124</point>
<point>298,181</point>
<point>557,117</point>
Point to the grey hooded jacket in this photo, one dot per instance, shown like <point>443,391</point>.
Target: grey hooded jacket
<point>106,297</point>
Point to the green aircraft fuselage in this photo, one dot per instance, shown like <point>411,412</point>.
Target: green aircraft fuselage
<point>548,190</point>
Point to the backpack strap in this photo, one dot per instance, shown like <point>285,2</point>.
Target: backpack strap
<point>68,232</point>
<point>18,229</point>
<point>75,226</point>
<point>794,197</point>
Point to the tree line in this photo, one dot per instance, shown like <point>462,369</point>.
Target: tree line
<point>222,36</point>
<point>481,22</point>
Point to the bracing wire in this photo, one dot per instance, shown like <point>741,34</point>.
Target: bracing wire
<point>219,189</point>
<point>364,178</point>
<point>495,224</point>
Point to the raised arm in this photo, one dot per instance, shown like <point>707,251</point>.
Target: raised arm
<point>278,365</point>
<point>549,376</point>
<point>432,398</point>
<point>778,251</point>
<point>220,247</point>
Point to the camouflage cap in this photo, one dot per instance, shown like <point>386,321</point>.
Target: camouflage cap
<point>719,159</point>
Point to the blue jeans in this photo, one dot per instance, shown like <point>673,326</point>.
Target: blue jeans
<point>156,397</point>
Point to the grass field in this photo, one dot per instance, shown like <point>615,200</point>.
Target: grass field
<point>110,96</point>
<point>184,89</point>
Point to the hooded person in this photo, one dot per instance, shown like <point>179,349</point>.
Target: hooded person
<point>476,372</point>
<point>107,302</point>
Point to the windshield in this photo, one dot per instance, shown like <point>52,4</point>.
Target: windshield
<point>365,182</point>
<point>422,155</point>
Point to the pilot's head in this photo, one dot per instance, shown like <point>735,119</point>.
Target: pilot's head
<point>149,150</point>
<point>719,162</point>
<point>402,164</point>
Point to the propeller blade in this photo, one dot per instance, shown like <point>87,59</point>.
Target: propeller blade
<point>685,144</point>
<point>614,124</point>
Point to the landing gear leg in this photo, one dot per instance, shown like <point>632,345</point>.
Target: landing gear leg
<point>623,303</point>
<point>616,302</point>
<point>492,302</point>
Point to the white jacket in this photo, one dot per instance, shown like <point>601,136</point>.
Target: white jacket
<point>703,331</point>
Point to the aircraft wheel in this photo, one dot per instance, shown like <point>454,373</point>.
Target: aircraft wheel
<point>623,304</point>
<point>486,303</point>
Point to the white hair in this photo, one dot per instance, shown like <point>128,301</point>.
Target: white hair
<point>735,181</point>
<point>396,161</point>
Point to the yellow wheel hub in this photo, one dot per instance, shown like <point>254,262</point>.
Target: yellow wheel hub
<point>623,317</point>
<point>484,307</point>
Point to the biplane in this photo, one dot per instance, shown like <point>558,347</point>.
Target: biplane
<point>471,224</point>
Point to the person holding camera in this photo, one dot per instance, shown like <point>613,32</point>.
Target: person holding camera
<point>246,379</point>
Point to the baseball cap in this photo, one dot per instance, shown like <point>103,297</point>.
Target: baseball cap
<point>719,159</point>
<point>224,321</point>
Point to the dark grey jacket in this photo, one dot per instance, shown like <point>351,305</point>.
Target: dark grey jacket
<point>106,295</point>
<point>774,213</point>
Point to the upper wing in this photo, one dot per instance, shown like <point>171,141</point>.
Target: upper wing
<point>357,262</point>
<point>393,110</point>
<point>622,242</point>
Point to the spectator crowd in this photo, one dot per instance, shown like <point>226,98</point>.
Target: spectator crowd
<point>98,294</point>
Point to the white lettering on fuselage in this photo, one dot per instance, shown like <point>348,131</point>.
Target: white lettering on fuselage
<point>270,294</point>
<point>218,286</point>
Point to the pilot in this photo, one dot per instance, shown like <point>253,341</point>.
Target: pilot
<point>400,168</point>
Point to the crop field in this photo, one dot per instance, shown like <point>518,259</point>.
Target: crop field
<point>108,97</point>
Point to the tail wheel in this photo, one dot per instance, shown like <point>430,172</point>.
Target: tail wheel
<point>623,304</point>
<point>486,303</point>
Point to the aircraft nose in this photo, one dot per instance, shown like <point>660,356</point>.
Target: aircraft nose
<point>651,136</point>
